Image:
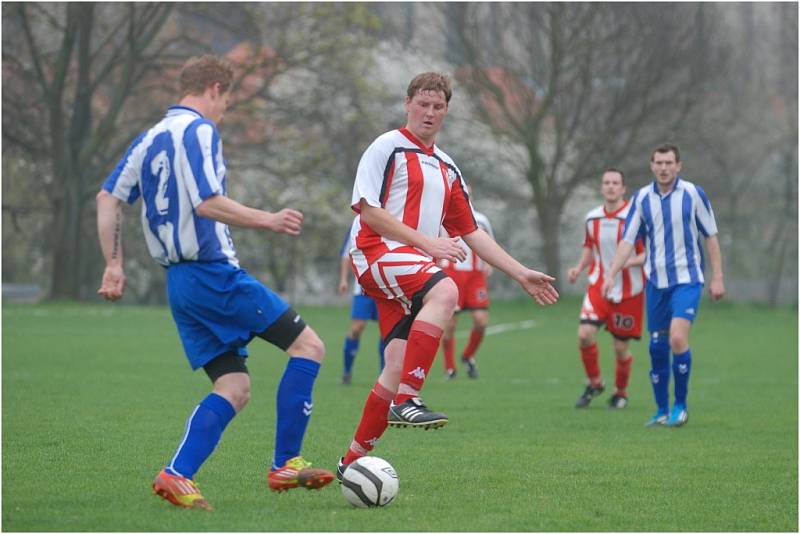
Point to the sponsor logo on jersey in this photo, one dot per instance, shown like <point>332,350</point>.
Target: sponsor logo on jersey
<point>451,176</point>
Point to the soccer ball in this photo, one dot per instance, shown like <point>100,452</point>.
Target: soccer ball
<point>370,481</point>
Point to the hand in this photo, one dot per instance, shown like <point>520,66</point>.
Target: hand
<point>286,221</point>
<point>572,274</point>
<point>608,286</point>
<point>716,288</point>
<point>342,287</point>
<point>446,248</point>
<point>539,286</point>
<point>113,283</point>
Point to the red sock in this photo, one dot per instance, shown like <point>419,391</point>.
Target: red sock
<point>372,425</point>
<point>421,347</point>
<point>475,338</point>
<point>590,357</point>
<point>449,346</point>
<point>623,372</point>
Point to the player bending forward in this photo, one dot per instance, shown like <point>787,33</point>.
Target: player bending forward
<point>621,311</point>
<point>406,188</point>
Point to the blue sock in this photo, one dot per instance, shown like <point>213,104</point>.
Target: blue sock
<point>659,372</point>
<point>293,408</point>
<point>381,349</point>
<point>681,368</point>
<point>203,430</point>
<point>350,351</point>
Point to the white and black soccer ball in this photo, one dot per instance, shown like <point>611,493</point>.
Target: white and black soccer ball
<point>370,481</point>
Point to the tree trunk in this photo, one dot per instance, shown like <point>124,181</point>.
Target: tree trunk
<point>67,246</point>
<point>550,229</point>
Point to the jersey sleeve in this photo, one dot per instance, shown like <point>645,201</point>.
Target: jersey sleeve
<point>705,215</point>
<point>373,177</point>
<point>587,237</point>
<point>458,217</point>
<point>633,222</point>
<point>345,249</point>
<point>204,160</point>
<point>123,182</point>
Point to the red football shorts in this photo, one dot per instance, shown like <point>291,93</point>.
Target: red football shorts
<point>622,319</point>
<point>398,280</point>
<point>473,292</point>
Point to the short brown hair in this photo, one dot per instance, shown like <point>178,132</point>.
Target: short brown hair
<point>430,81</point>
<point>201,72</point>
<point>665,149</point>
<point>614,169</point>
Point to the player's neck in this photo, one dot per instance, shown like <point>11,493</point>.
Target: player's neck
<point>611,207</point>
<point>427,142</point>
<point>197,103</point>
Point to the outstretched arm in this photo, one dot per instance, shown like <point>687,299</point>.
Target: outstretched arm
<point>536,284</point>
<point>109,231</point>
<point>717,285</point>
<point>228,211</point>
<point>439,248</point>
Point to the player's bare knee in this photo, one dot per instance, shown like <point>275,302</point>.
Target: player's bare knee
<point>308,345</point>
<point>585,337</point>
<point>445,294</point>
<point>678,343</point>
<point>235,388</point>
<point>480,321</point>
<point>356,329</point>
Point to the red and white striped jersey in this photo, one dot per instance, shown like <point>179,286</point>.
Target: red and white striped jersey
<point>417,185</point>
<point>472,262</point>
<point>603,233</point>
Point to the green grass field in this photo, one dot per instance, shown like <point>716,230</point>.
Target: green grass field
<point>95,398</point>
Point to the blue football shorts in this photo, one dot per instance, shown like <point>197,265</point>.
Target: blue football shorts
<point>364,308</point>
<point>663,305</point>
<point>218,308</point>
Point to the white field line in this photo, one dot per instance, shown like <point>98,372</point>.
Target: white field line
<point>502,327</point>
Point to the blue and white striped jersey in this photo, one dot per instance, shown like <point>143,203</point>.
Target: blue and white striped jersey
<point>672,224</point>
<point>174,166</point>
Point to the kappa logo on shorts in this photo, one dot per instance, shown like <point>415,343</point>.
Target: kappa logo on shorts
<point>690,311</point>
<point>296,319</point>
<point>419,372</point>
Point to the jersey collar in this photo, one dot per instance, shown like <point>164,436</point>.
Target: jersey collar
<point>177,109</point>
<point>411,137</point>
<point>677,185</point>
<point>616,211</point>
